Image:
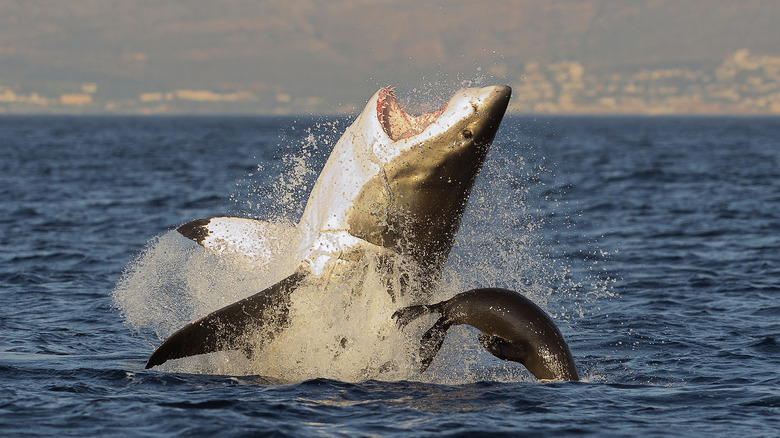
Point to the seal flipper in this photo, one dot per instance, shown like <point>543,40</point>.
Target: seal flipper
<point>501,348</point>
<point>408,314</point>
<point>230,327</point>
<point>432,341</point>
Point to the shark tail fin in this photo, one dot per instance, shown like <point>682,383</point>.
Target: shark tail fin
<point>231,327</point>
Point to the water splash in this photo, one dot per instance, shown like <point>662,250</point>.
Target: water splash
<point>344,330</point>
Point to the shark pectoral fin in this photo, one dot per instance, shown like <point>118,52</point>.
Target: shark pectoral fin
<point>408,314</point>
<point>501,348</point>
<point>231,327</point>
<point>432,341</point>
<point>253,238</point>
<point>196,230</point>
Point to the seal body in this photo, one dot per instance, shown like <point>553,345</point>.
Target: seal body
<point>512,328</point>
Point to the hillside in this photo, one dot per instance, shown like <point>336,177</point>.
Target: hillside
<point>250,56</point>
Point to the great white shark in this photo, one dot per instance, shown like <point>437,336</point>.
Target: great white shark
<point>393,190</point>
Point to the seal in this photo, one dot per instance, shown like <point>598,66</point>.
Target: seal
<point>512,328</point>
<point>393,189</point>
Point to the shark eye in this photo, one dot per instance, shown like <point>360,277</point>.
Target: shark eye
<point>467,134</point>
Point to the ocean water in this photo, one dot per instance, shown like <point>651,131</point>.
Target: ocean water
<point>654,242</point>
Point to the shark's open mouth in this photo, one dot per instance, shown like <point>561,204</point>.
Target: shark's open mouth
<point>397,124</point>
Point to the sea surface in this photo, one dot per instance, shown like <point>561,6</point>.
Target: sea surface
<point>653,241</point>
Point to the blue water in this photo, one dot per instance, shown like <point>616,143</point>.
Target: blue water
<point>658,240</point>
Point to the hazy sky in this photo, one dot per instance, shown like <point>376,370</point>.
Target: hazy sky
<point>336,53</point>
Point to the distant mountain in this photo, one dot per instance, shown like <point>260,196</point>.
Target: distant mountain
<point>309,55</point>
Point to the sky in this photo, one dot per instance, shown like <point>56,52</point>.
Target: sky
<point>303,57</point>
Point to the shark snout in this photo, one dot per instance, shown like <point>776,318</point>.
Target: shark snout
<point>491,102</point>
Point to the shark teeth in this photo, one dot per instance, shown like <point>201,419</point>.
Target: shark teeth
<point>398,124</point>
